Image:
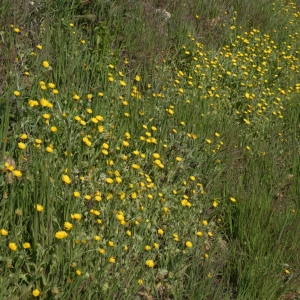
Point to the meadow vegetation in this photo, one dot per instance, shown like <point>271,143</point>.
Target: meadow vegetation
<point>149,149</point>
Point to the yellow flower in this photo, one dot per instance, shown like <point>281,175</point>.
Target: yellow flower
<point>76,216</point>
<point>78,272</point>
<point>204,223</point>
<point>46,116</point>
<point>199,233</point>
<point>178,158</point>
<point>247,121</point>
<point>76,194</point>
<point>23,136</point>
<point>53,128</point>
<point>21,145</point>
<point>39,207</point>
<point>125,144</point>
<point>16,30</point>
<point>45,64</point>
<point>40,47</point>
<point>68,225</point>
<point>35,293</point>
<point>111,244</point>
<point>17,173</point>
<point>26,246</point>
<point>3,232</point>
<point>150,263</point>
<point>17,93</point>
<point>61,235</point>
<point>66,179</point>
<point>232,199</point>
<point>101,251</point>
<point>112,260</point>
<point>109,180</point>
<point>147,248</point>
<point>49,149</point>
<point>189,244</point>
<point>160,231</point>
<point>12,246</point>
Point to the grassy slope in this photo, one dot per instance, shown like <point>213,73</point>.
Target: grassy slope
<point>209,67</point>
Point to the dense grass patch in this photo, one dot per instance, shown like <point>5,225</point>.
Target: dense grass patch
<point>149,150</point>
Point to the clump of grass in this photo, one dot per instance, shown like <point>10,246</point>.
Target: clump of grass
<point>141,160</point>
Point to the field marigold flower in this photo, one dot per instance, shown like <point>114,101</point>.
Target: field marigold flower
<point>189,244</point>
<point>35,293</point>
<point>39,207</point>
<point>21,145</point>
<point>150,263</point>
<point>17,93</point>
<point>76,194</point>
<point>232,199</point>
<point>12,246</point>
<point>66,179</point>
<point>160,231</point>
<point>61,235</point>
<point>45,64</point>
<point>24,136</point>
<point>112,260</point>
<point>17,173</point>
<point>68,226</point>
<point>3,232</point>
<point>109,180</point>
<point>26,246</point>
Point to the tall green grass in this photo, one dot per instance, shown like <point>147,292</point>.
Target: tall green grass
<point>149,150</point>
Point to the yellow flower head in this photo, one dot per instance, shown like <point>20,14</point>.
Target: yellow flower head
<point>61,235</point>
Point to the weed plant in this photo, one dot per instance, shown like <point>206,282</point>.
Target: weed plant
<point>149,149</point>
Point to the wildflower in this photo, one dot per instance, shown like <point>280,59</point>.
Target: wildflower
<point>178,158</point>
<point>76,194</point>
<point>40,47</point>
<point>247,121</point>
<point>26,246</point>
<point>199,233</point>
<point>21,145</point>
<point>135,166</point>
<point>189,244</point>
<point>101,251</point>
<point>78,272</point>
<point>76,216</point>
<point>3,232</point>
<point>16,30</point>
<point>109,180</point>
<point>66,179</point>
<point>150,263</point>
<point>140,282</point>
<point>61,235</point>
<point>137,78</point>
<point>215,203</point>
<point>17,93</point>
<point>35,293</point>
<point>112,260</point>
<point>160,231</point>
<point>33,103</point>
<point>232,199</point>
<point>24,136</point>
<point>45,64</point>
<point>147,248</point>
<point>17,173</point>
<point>205,223</point>
<point>39,207</point>
<point>68,225</point>
<point>53,128</point>
<point>111,244</point>
<point>12,246</point>
<point>125,144</point>
<point>49,149</point>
